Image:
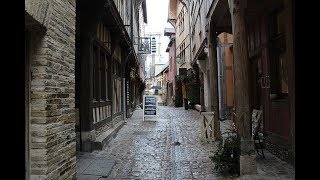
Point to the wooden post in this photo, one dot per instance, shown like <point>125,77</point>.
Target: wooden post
<point>201,91</point>
<point>241,68</point>
<point>291,70</point>
<point>213,92</point>
<point>242,89</point>
<point>86,88</point>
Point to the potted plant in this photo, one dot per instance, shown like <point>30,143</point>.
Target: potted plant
<point>226,158</point>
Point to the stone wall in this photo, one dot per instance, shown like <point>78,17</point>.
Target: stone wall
<point>52,116</point>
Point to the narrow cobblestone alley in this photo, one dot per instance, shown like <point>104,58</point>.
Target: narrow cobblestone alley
<point>165,148</point>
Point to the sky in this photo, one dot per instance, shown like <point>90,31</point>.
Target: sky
<point>157,15</point>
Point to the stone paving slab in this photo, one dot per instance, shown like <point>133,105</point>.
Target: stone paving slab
<point>83,164</point>
<point>93,167</point>
<point>99,168</point>
<point>88,177</point>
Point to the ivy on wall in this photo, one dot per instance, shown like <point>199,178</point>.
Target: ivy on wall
<point>193,93</point>
<point>192,87</point>
<point>178,101</point>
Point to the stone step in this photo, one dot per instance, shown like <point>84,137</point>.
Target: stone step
<point>103,139</point>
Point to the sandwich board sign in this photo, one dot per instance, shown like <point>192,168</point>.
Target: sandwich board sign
<point>150,106</point>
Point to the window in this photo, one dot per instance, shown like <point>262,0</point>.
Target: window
<point>181,21</point>
<point>182,71</point>
<point>182,54</point>
<point>101,74</point>
<point>283,73</point>
<point>278,61</point>
<point>103,35</point>
<point>96,77</point>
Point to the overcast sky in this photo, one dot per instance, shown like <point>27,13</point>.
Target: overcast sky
<point>157,14</point>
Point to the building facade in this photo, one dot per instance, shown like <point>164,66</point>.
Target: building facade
<point>83,77</point>
<point>161,80</point>
<point>179,18</point>
<point>245,53</point>
<point>50,144</point>
<point>108,82</point>
<point>263,70</point>
<point>172,69</point>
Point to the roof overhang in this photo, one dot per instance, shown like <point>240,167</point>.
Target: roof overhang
<point>219,14</point>
<point>172,12</point>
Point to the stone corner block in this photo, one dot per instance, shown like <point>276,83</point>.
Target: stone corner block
<point>248,164</point>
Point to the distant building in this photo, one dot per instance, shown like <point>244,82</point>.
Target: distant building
<point>172,69</point>
<point>160,87</point>
<point>179,17</point>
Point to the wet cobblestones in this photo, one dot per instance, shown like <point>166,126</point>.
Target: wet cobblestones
<point>169,148</point>
<point>149,149</point>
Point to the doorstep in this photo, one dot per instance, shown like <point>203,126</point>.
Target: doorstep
<point>104,138</point>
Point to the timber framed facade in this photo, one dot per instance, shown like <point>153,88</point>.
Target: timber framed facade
<point>263,69</point>
<point>258,64</point>
<point>108,83</point>
<point>82,78</point>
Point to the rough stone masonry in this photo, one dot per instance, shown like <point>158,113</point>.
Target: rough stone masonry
<point>51,126</point>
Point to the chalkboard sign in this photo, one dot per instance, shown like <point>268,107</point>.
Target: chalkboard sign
<point>150,104</point>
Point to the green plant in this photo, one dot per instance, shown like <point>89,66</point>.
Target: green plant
<point>193,93</point>
<point>226,158</point>
<point>178,101</point>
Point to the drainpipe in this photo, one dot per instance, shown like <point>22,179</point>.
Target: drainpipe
<point>220,48</point>
<point>123,84</point>
<point>131,23</point>
<point>124,66</point>
<point>190,38</point>
<point>190,41</point>
<point>123,93</point>
<point>175,67</point>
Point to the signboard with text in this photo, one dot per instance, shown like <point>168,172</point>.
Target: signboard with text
<point>144,45</point>
<point>150,105</point>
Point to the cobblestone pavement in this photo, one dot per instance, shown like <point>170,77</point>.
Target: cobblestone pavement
<point>268,168</point>
<point>165,148</point>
